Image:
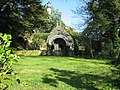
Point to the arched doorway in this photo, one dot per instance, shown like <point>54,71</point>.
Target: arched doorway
<point>59,46</point>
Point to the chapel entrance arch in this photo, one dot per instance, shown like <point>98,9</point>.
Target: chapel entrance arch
<point>60,42</point>
<point>59,46</point>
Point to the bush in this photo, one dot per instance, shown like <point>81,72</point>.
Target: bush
<point>39,39</point>
<point>7,60</point>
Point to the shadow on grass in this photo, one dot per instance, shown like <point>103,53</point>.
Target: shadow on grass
<point>49,80</point>
<point>116,81</point>
<point>116,73</point>
<point>78,81</point>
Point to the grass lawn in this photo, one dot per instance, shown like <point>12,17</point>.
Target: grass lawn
<point>63,73</point>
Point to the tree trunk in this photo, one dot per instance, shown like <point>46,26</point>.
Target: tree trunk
<point>116,45</point>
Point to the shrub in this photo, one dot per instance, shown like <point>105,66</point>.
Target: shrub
<point>7,60</point>
<point>39,39</point>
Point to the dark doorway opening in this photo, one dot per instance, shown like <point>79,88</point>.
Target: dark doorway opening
<point>60,46</point>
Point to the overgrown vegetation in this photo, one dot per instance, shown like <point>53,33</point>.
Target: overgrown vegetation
<point>7,60</point>
<point>103,22</point>
<point>39,39</point>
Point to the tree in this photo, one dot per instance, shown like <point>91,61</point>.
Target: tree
<point>18,17</point>
<point>103,21</point>
<point>55,18</point>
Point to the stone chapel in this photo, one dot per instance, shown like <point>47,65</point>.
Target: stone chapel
<point>60,42</point>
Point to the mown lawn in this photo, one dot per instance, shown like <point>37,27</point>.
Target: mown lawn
<point>63,73</point>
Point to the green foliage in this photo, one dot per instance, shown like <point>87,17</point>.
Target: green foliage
<point>39,39</point>
<point>54,18</point>
<point>7,60</point>
<point>76,35</point>
<point>44,36</point>
<point>20,16</point>
<point>102,20</point>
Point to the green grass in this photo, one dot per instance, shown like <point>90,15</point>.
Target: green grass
<point>63,73</point>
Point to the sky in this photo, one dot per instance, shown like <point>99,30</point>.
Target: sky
<point>66,7</point>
